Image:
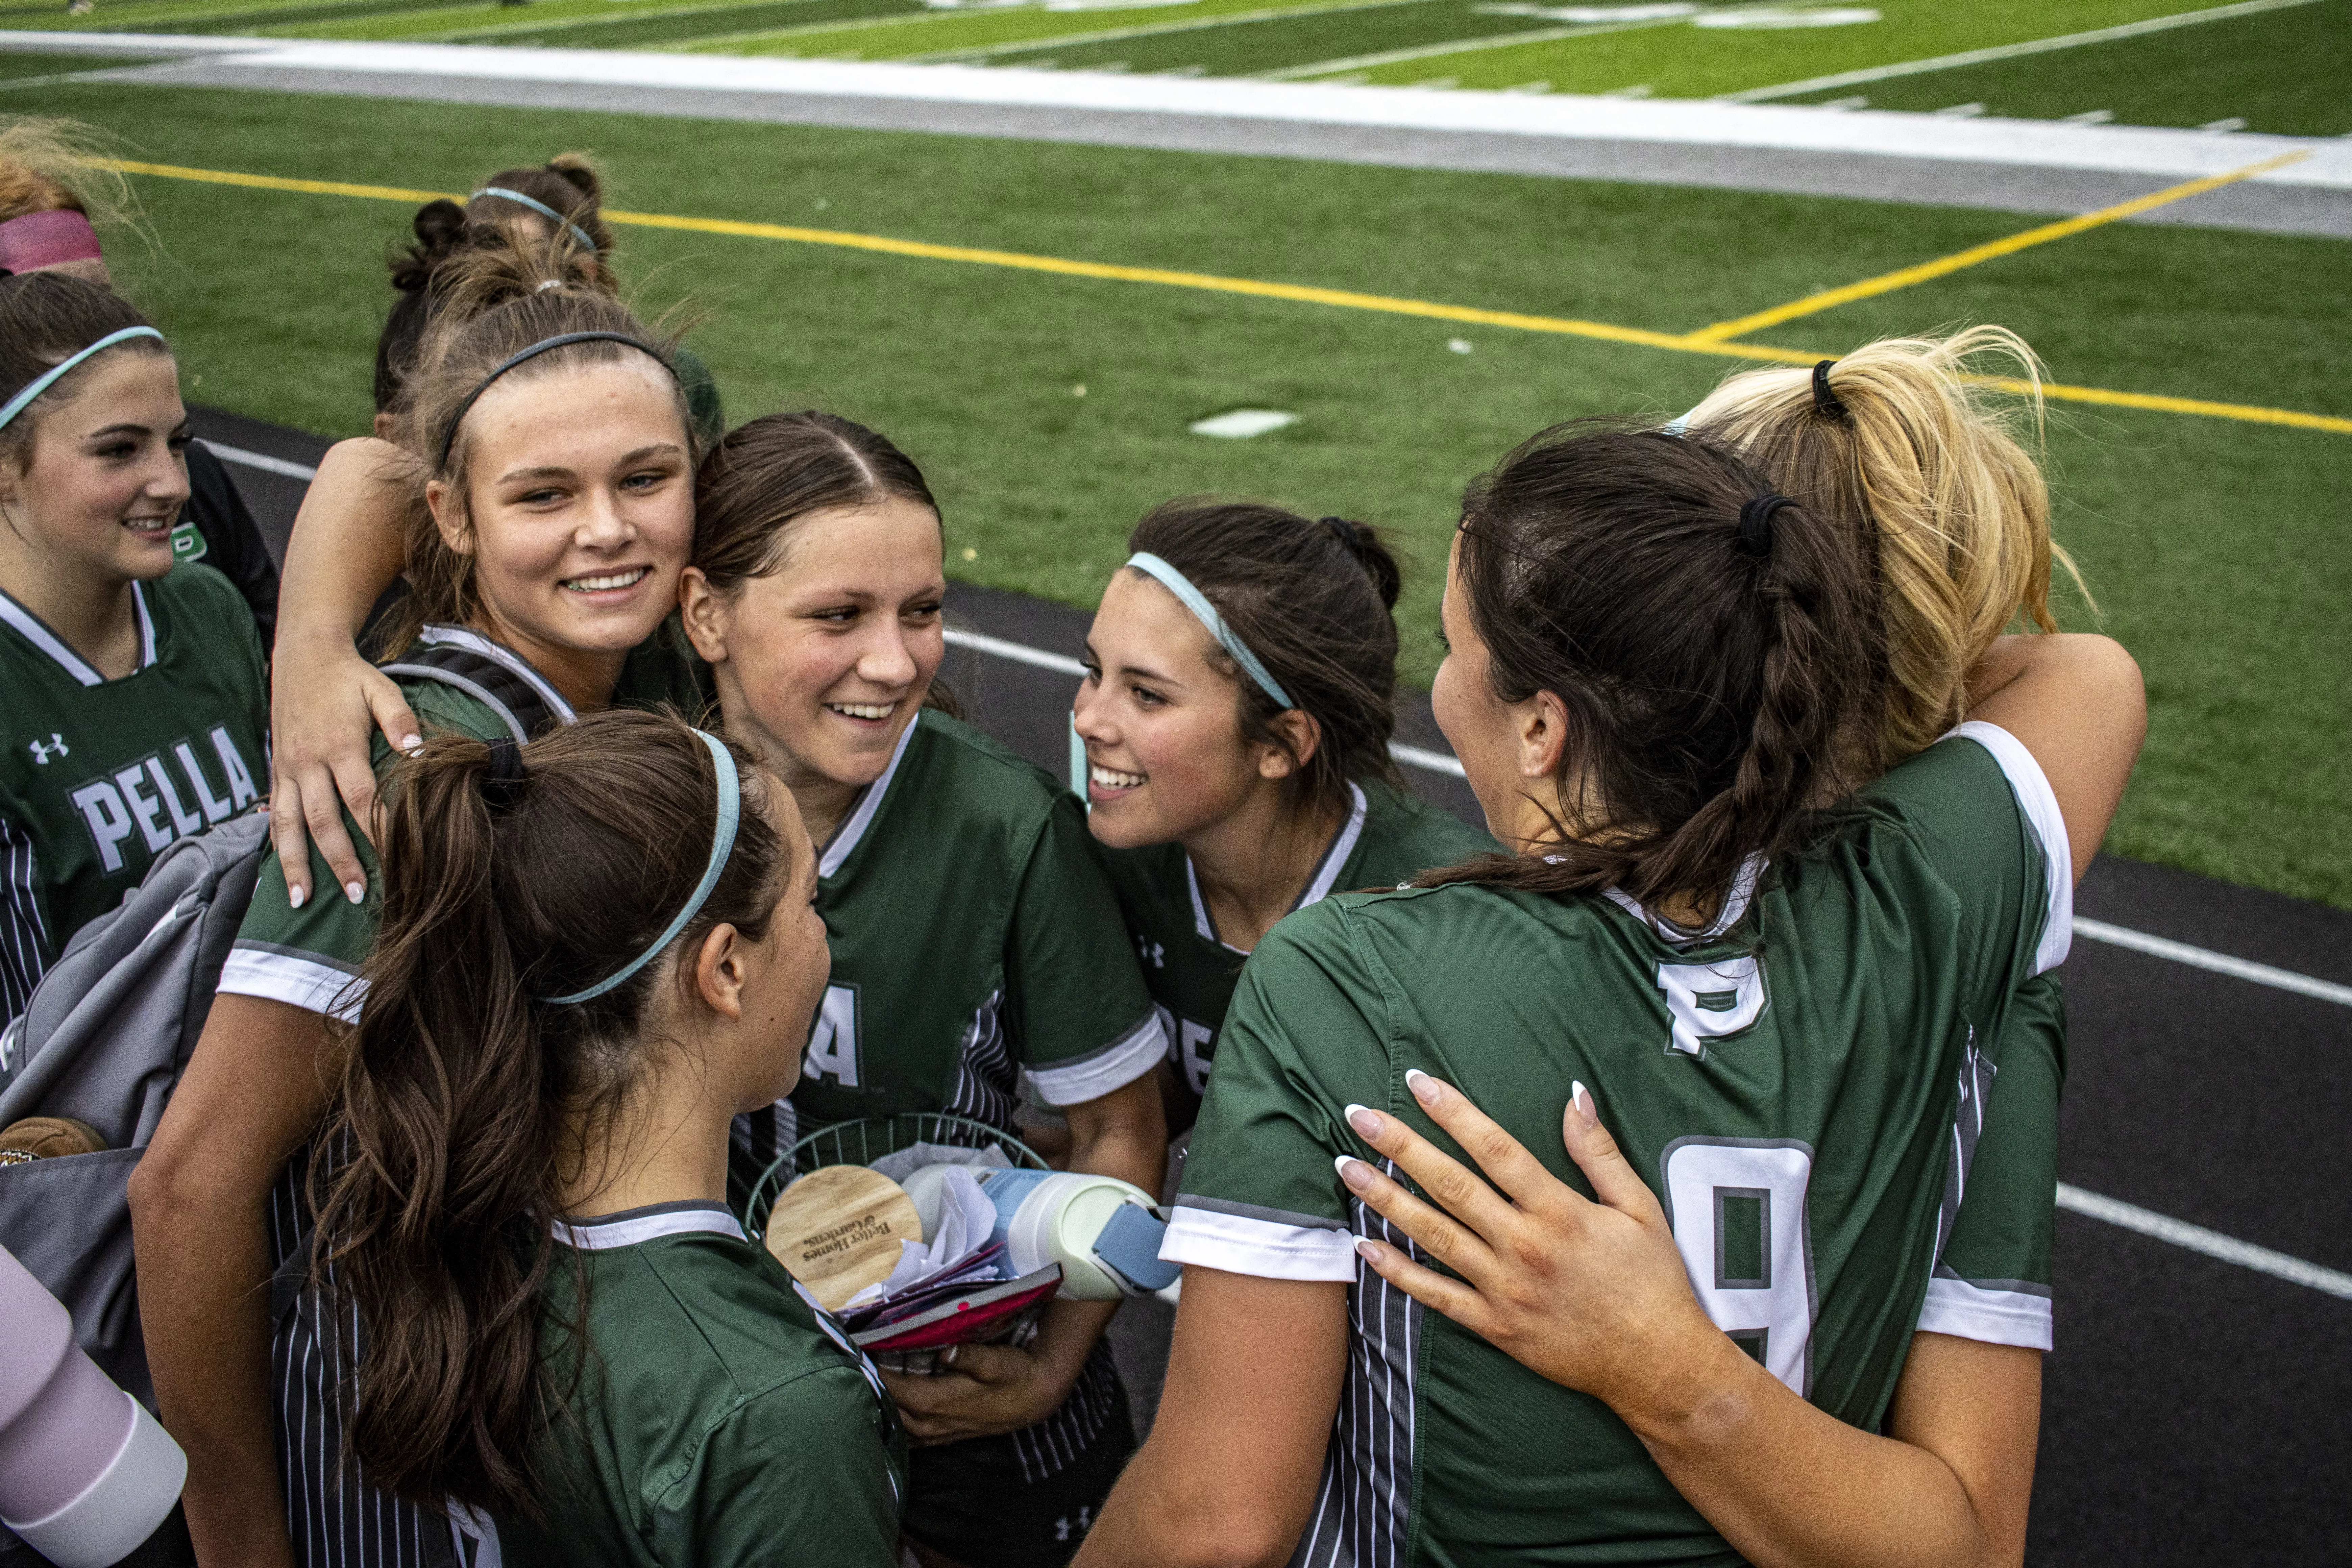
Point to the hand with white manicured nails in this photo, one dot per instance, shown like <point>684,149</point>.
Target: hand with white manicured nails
<point>1591,1294</point>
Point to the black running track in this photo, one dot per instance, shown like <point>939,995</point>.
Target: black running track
<point>2195,1411</point>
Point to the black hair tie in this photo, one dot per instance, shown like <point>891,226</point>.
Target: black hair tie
<point>1343,530</point>
<point>502,782</point>
<point>1825,401</point>
<point>1755,524</point>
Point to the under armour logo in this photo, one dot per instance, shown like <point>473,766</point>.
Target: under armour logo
<point>1152,953</point>
<point>55,747</point>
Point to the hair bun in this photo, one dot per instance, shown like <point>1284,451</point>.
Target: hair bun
<point>1364,543</point>
<point>440,229</point>
<point>576,171</point>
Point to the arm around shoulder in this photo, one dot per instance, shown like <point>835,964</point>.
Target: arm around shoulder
<point>2078,704</point>
<point>346,549</point>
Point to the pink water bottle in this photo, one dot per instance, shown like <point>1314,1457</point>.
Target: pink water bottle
<point>86,1474</point>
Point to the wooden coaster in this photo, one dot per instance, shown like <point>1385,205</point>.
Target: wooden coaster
<point>838,1230</point>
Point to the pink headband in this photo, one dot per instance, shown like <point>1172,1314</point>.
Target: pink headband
<point>36,240</point>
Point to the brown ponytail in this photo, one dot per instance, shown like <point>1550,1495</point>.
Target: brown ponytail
<point>1710,660</point>
<point>502,886</point>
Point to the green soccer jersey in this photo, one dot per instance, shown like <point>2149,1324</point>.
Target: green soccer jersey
<point>100,775</point>
<point>723,1420</point>
<point>975,941</point>
<point>311,957</point>
<point>1794,1105</point>
<point>1387,837</point>
<point>1992,1277</point>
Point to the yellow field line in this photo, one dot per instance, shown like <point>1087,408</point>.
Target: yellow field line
<point>1296,293</point>
<point>1887,283</point>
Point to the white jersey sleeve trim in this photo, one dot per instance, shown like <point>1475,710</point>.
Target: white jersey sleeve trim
<point>309,984</point>
<point>1989,1316</point>
<point>1114,1066</point>
<point>2040,804</point>
<point>1264,1249</point>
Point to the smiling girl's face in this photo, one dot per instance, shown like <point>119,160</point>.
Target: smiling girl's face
<point>579,513</point>
<point>824,659</point>
<point>1165,755</point>
<point>104,473</point>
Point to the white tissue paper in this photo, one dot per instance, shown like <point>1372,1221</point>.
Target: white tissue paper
<point>967,1220</point>
<point>915,1156</point>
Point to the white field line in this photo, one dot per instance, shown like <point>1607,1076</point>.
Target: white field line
<point>2217,962</point>
<point>1152,29</point>
<point>492,32</point>
<point>2212,1243</point>
<point>1461,46</point>
<point>2007,51</point>
<point>266,463</point>
<point>1062,664</point>
<point>1471,46</point>
<point>2180,154</point>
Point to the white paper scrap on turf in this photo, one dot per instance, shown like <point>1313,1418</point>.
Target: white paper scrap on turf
<point>1823,17</point>
<point>967,1219</point>
<point>2024,144</point>
<point>1241,424</point>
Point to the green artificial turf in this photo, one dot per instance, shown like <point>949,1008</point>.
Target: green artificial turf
<point>2216,549</point>
<point>2288,72</point>
<point>16,68</point>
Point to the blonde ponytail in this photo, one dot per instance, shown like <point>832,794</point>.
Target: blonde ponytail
<point>1906,443</point>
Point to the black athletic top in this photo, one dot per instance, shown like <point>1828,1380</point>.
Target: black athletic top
<point>233,542</point>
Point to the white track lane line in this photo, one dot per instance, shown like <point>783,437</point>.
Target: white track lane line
<point>266,463</point>
<point>1019,653</point>
<point>2212,1243</point>
<point>2007,51</point>
<point>2217,963</point>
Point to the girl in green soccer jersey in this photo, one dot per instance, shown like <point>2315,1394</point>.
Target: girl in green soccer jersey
<point>1241,677</point>
<point>597,949</point>
<point>136,711</point>
<point>550,471</point>
<point>1658,667</point>
<point>976,942</point>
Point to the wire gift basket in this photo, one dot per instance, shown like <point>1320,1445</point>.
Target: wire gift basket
<point>864,1141</point>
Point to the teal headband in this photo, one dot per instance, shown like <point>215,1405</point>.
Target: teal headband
<point>722,845</point>
<point>1196,602</point>
<point>540,207</point>
<point>50,377</point>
